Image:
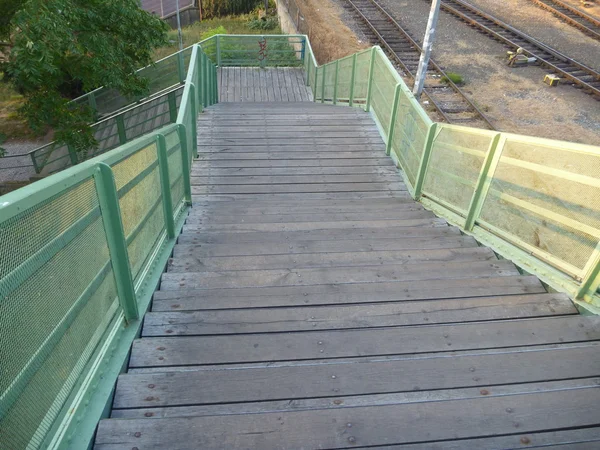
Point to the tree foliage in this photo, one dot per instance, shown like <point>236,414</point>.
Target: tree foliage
<point>60,49</point>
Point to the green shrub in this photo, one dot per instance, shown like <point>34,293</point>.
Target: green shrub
<point>269,23</point>
<point>212,32</point>
<point>456,78</point>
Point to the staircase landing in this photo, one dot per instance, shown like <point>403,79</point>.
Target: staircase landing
<point>311,303</point>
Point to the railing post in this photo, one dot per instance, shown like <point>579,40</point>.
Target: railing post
<point>214,85</point>
<point>352,80</point>
<point>72,155</point>
<point>172,106</point>
<point>218,50</point>
<point>121,129</point>
<point>590,281</point>
<point>185,163</point>
<point>165,184</point>
<point>194,142</point>
<point>323,85</point>
<point>93,105</point>
<point>388,145</point>
<point>370,82</point>
<point>335,83</point>
<point>205,66</point>
<point>115,238</point>
<point>425,160</point>
<point>484,180</point>
<point>316,86</point>
<point>200,64</point>
<point>34,162</point>
<point>181,67</point>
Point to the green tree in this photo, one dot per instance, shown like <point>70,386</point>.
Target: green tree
<point>59,49</point>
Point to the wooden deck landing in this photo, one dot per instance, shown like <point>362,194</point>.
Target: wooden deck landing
<point>270,84</point>
<point>310,303</point>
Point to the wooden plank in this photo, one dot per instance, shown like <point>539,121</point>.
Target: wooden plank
<point>201,387</point>
<point>297,188</point>
<point>289,148</point>
<point>214,218</point>
<point>294,171</point>
<point>295,179</point>
<point>295,158</point>
<point>269,320</point>
<point>343,294</point>
<point>192,350</point>
<point>272,205</point>
<point>218,129</point>
<point>349,401</point>
<point>197,263</point>
<point>203,251</point>
<point>335,275</point>
<point>204,237</point>
<point>401,196</point>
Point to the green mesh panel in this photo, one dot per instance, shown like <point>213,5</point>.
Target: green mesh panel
<point>61,282</point>
<point>258,50</point>
<point>361,77</point>
<point>454,165</point>
<point>533,177</point>
<point>382,91</point>
<point>344,79</point>
<point>410,135</point>
<point>328,82</point>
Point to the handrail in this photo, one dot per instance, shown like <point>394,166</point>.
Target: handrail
<point>537,210</point>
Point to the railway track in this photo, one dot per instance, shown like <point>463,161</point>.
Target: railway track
<point>573,16</point>
<point>569,70</point>
<point>444,95</point>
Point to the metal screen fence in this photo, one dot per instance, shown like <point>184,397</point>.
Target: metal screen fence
<point>534,200</point>
<point>80,252</point>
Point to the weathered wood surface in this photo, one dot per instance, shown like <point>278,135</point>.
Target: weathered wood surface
<point>269,84</point>
<point>310,303</point>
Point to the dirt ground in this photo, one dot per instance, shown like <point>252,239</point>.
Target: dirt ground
<point>329,36</point>
<point>515,99</point>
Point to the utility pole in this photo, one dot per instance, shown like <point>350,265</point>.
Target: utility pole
<point>179,26</point>
<point>427,44</point>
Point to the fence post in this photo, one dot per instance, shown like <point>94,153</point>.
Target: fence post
<point>316,86</point>
<point>218,50</point>
<point>352,79</point>
<point>323,85</point>
<point>93,105</point>
<point>115,238</point>
<point>335,83</point>
<point>181,66</point>
<point>370,82</point>
<point>388,145</point>
<point>484,180</point>
<point>425,160</point>
<point>172,106</point>
<point>194,122</point>
<point>121,129</point>
<point>185,163</point>
<point>200,64</point>
<point>165,184</point>
<point>216,91</point>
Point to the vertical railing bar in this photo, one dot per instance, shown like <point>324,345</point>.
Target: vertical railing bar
<point>323,85</point>
<point>72,155</point>
<point>219,50</point>
<point>181,66</point>
<point>121,129</point>
<point>93,105</point>
<point>200,64</point>
<point>423,164</point>
<point>388,145</point>
<point>194,127</point>
<point>352,81</point>
<point>335,83</point>
<point>185,163</point>
<point>172,106</point>
<point>370,80</point>
<point>165,184</point>
<point>316,86</point>
<point>115,238</point>
<point>484,180</point>
<point>591,276</point>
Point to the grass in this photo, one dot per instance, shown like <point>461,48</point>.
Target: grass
<point>456,78</point>
<point>202,30</point>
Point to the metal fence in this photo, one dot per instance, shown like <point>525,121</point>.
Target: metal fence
<point>81,253</point>
<point>535,201</point>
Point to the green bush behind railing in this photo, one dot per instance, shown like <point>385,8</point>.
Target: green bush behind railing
<point>535,201</point>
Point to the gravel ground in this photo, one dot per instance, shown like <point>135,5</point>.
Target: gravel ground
<point>544,26</point>
<point>515,100</point>
<point>8,165</point>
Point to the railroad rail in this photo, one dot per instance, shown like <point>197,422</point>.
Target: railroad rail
<point>573,16</point>
<point>569,70</point>
<point>444,95</point>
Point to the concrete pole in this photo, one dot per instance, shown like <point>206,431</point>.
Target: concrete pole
<point>179,26</point>
<point>427,44</point>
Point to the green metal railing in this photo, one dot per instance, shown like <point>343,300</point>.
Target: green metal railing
<point>535,201</point>
<point>81,253</point>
